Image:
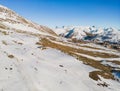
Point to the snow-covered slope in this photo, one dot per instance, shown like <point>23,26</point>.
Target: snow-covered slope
<point>33,59</point>
<point>24,66</point>
<point>31,69</point>
<point>14,21</point>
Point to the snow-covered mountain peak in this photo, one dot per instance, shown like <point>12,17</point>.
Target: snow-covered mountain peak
<point>93,32</point>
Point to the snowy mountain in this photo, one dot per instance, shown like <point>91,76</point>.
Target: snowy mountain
<point>34,58</point>
<point>90,33</point>
<point>13,21</point>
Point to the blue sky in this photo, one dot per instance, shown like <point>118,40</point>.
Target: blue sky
<point>52,13</point>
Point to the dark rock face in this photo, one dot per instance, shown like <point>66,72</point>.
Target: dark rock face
<point>69,34</point>
<point>116,74</point>
<point>109,45</point>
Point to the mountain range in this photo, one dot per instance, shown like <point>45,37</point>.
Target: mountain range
<point>90,33</point>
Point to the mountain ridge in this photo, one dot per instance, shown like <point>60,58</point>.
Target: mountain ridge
<point>91,34</point>
<point>11,17</point>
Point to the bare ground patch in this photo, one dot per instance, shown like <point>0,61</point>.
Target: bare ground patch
<point>105,71</point>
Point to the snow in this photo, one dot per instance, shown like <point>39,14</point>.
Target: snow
<point>59,31</point>
<point>2,16</point>
<point>14,21</point>
<point>34,69</point>
<point>38,72</point>
<point>97,58</point>
<point>90,49</point>
<point>21,27</point>
<point>1,6</point>
<point>110,63</point>
<point>24,28</point>
<point>112,34</point>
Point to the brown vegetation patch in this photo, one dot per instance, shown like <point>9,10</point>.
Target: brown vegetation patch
<point>2,26</point>
<point>66,49</point>
<point>5,33</point>
<point>94,63</point>
<point>20,43</point>
<point>95,75</point>
<point>4,42</point>
<point>92,47</point>
<point>38,43</point>
<point>10,56</point>
<point>115,62</point>
<point>105,71</point>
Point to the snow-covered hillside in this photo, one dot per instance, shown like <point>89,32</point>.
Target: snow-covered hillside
<point>34,58</point>
<point>24,66</point>
<point>15,21</point>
